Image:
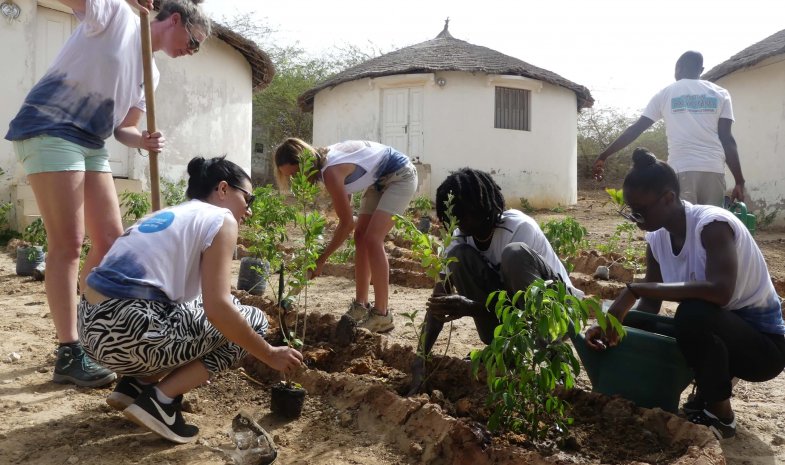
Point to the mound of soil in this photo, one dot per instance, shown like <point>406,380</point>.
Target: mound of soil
<point>447,426</point>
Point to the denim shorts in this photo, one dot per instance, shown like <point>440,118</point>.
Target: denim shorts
<point>391,193</point>
<point>42,154</point>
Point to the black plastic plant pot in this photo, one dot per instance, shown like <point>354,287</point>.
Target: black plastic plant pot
<point>253,275</point>
<point>28,258</point>
<point>286,401</point>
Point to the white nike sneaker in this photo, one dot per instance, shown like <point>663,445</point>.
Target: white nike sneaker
<point>165,420</point>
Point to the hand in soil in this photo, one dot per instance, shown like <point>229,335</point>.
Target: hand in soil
<point>451,307</point>
<point>598,339</point>
<point>252,444</point>
<point>284,359</point>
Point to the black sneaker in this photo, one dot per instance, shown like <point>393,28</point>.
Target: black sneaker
<point>720,429</point>
<point>694,404</point>
<point>165,420</point>
<point>74,366</point>
<point>125,393</point>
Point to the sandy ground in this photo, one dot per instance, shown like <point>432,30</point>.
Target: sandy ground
<point>46,423</point>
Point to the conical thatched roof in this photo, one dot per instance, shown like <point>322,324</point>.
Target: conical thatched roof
<point>445,53</point>
<point>750,56</point>
<point>262,68</point>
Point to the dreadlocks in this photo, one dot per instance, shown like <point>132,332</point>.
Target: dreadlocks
<point>474,191</point>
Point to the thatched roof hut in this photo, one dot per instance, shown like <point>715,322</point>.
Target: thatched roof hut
<point>770,46</point>
<point>446,53</point>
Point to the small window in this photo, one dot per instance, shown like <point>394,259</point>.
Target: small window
<point>512,109</point>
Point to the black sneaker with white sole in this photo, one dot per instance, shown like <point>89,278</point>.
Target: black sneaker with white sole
<point>720,429</point>
<point>165,420</point>
<point>125,393</point>
<point>694,403</point>
<point>74,366</point>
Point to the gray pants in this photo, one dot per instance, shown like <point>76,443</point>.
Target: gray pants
<point>474,278</point>
<point>702,187</point>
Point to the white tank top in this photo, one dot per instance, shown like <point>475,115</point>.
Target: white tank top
<point>365,154</point>
<point>753,283</point>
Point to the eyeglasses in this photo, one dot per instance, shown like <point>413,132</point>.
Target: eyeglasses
<point>193,44</point>
<point>249,197</point>
<point>637,217</point>
<point>627,213</point>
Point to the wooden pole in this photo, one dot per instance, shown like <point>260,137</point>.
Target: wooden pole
<point>149,96</point>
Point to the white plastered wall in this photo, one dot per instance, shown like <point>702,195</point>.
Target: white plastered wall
<point>758,96</point>
<point>539,165</point>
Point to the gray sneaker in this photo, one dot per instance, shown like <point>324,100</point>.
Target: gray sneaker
<point>74,366</point>
<point>357,311</point>
<point>377,323</point>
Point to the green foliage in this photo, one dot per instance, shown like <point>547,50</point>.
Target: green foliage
<point>622,242</point>
<point>173,192</point>
<point>136,205</point>
<point>5,227</point>
<point>345,254</point>
<point>558,209</point>
<point>265,229</point>
<point>765,219</point>
<point>311,225</point>
<point>35,233</point>
<point>528,357</point>
<point>526,206</point>
<point>567,236</point>
<point>421,206</point>
<point>617,197</point>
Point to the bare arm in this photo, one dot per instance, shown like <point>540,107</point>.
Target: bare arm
<point>625,139</point>
<point>731,156</point>
<point>721,268</point>
<point>333,182</point>
<point>127,133</point>
<point>220,309</point>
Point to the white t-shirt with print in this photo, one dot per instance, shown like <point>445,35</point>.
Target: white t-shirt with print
<point>692,109</point>
<point>94,81</point>
<point>365,154</point>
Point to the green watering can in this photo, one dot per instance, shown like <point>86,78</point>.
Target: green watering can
<point>646,367</point>
<point>740,210</point>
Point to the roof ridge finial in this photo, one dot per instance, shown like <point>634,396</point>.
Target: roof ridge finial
<point>445,34</point>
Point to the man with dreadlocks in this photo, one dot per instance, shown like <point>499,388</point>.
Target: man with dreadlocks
<point>496,249</point>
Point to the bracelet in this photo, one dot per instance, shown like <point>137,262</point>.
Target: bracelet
<point>634,294</point>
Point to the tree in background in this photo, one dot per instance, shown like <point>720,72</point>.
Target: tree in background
<point>597,128</point>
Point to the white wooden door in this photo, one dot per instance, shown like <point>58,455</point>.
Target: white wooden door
<point>53,28</point>
<point>402,120</point>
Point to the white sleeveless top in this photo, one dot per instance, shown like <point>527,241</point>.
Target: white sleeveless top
<point>159,258</point>
<point>753,283</point>
<point>365,154</point>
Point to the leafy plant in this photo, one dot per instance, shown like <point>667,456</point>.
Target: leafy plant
<point>617,197</point>
<point>622,242</point>
<point>136,205</point>
<point>765,219</point>
<point>528,358</point>
<point>345,254</point>
<point>431,253</point>
<point>526,206</point>
<point>311,225</point>
<point>173,192</point>
<point>567,237</point>
<point>6,233</point>
<point>558,209</point>
<point>35,235</point>
<point>421,206</point>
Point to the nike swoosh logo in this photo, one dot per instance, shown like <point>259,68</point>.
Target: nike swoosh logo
<point>168,419</point>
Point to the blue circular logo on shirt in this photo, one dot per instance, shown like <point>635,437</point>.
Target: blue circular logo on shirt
<point>156,223</point>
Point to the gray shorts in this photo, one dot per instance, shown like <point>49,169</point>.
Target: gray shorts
<point>391,193</point>
<point>702,187</point>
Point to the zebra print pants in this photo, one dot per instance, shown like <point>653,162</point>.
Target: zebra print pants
<point>137,337</point>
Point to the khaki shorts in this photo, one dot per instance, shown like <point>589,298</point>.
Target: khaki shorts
<point>702,187</point>
<point>391,193</point>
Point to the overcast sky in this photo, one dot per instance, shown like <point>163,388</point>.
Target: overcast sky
<point>622,50</point>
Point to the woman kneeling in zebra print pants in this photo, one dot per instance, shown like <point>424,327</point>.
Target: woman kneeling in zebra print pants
<point>158,309</point>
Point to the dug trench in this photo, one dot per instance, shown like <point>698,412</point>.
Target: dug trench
<point>364,381</point>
